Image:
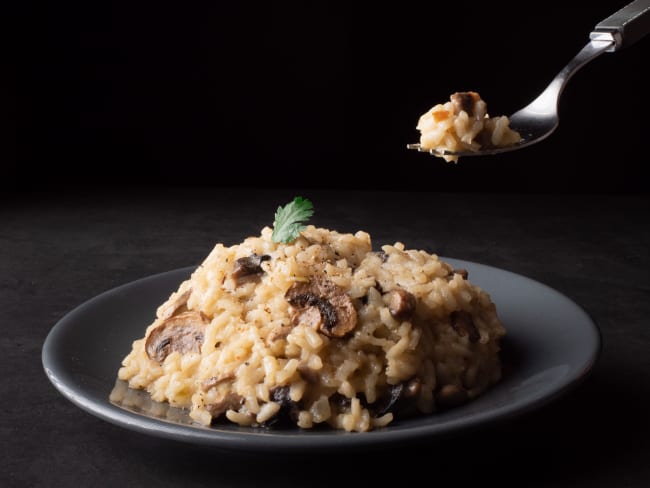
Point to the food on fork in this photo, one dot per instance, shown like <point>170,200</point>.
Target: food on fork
<point>463,124</point>
<point>305,326</point>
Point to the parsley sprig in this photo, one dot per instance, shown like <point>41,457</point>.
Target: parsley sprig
<point>290,220</point>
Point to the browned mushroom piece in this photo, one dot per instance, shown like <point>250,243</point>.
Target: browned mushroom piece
<point>451,396</point>
<point>216,380</point>
<point>182,333</point>
<point>249,267</point>
<point>402,304</point>
<point>346,317</point>
<point>402,398</point>
<point>463,324</point>
<point>289,409</point>
<point>464,101</point>
<point>310,316</point>
<point>176,306</point>
<point>460,271</point>
<point>232,401</point>
<point>323,305</point>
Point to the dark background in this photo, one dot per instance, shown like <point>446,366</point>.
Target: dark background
<point>164,117</point>
<point>315,94</point>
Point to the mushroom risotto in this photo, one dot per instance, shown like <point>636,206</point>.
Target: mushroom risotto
<point>463,124</point>
<point>323,330</point>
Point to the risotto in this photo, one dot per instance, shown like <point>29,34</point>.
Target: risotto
<point>463,124</point>
<point>322,331</point>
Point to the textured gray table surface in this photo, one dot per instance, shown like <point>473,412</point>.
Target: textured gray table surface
<point>57,251</point>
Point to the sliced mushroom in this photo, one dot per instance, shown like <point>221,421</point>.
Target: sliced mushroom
<point>461,271</point>
<point>402,398</point>
<point>216,380</point>
<point>346,317</point>
<point>451,396</point>
<point>182,333</point>
<point>232,401</point>
<point>318,286</point>
<point>323,305</point>
<point>464,101</point>
<point>289,410</point>
<point>462,323</point>
<point>176,305</point>
<point>310,316</point>
<point>249,267</point>
<point>402,304</point>
<point>342,403</point>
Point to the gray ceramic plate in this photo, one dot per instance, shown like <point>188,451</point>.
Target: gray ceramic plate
<point>551,346</point>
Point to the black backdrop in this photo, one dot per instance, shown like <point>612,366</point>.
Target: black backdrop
<point>316,94</point>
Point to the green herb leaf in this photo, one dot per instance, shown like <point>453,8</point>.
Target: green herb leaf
<point>290,220</point>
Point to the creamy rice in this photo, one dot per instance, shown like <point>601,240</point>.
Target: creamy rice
<point>322,331</point>
<point>463,124</point>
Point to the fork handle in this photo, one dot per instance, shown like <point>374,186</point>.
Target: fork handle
<point>626,26</point>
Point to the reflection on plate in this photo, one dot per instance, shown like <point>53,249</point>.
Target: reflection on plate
<point>551,345</point>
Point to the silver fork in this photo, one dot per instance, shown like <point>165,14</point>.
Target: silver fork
<point>537,120</point>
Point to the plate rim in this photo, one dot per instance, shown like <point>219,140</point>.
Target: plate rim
<point>268,440</point>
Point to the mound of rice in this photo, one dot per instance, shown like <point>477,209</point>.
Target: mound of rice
<point>322,331</point>
<point>463,124</point>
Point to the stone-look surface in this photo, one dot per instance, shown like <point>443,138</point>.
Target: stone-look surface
<point>56,251</point>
